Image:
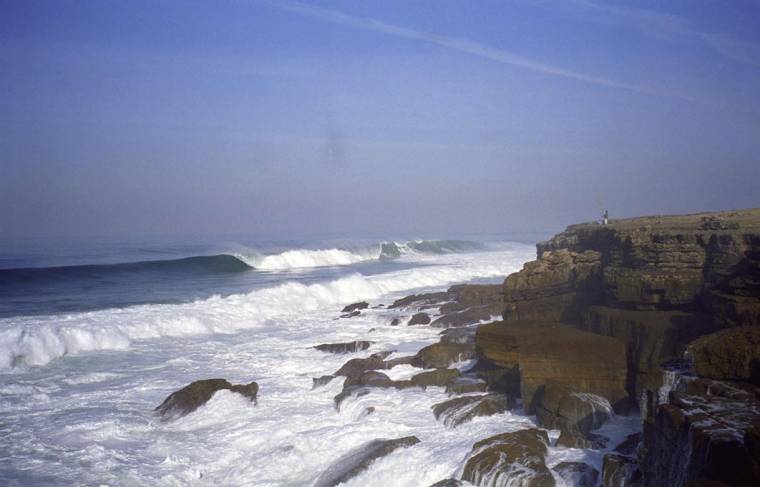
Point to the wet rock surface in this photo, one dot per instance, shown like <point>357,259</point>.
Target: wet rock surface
<point>517,458</point>
<point>462,409</point>
<point>577,474</point>
<point>344,347</point>
<point>419,319</point>
<point>195,395</point>
<point>732,354</point>
<point>560,407</point>
<point>360,459</point>
<point>355,307</point>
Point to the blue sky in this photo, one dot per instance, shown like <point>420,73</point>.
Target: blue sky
<point>413,118</point>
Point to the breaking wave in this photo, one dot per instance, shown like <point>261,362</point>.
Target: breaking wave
<point>35,341</point>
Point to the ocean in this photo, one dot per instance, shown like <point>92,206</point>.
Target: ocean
<point>94,335</point>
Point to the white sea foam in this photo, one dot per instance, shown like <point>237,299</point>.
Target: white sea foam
<point>88,420</point>
<point>298,259</point>
<point>34,341</point>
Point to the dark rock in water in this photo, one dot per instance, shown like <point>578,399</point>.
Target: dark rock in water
<point>465,317</point>
<point>193,396</point>
<point>358,460</point>
<point>321,381</point>
<point>359,385</point>
<point>420,300</point>
<point>441,355</point>
<point>466,384</point>
<point>577,439</point>
<point>395,322</point>
<point>620,471</point>
<point>577,474</point>
<point>356,366</point>
<point>351,314</point>
<point>516,458</point>
<point>438,377</point>
<point>355,307</point>
<point>732,354</point>
<point>368,411</point>
<point>345,347</point>
<point>462,409</point>
<point>629,445</point>
<point>559,407</point>
<point>448,483</point>
<point>371,330</point>
<point>419,319</point>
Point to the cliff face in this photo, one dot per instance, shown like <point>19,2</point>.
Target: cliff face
<point>604,307</point>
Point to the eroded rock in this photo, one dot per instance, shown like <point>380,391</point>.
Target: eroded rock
<point>419,319</point>
<point>193,396</point>
<point>344,347</point>
<point>462,409</point>
<point>577,474</point>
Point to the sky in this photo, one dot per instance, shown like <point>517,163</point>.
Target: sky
<point>359,118</point>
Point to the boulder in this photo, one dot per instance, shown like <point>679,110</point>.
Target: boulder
<point>351,314</point>
<point>732,354</point>
<point>462,409</point>
<point>356,366</point>
<point>516,458</point>
<point>345,347</point>
<point>559,407</point>
<point>360,459</point>
<point>193,396</point>
<point>441,355</point>
<point>439,377</point>
<point>395,322</point>
<point>577,474</point>
<point>360,385</point>
<point>419,319</point>
<point>355,307</point>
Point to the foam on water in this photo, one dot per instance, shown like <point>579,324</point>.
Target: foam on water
<point>87,419</point>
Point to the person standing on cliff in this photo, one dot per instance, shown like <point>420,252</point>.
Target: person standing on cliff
<point>605,218</point>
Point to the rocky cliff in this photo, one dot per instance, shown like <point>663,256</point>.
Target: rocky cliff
<point>607,310</point>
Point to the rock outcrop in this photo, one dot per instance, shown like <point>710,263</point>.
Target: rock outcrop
<point>345,347</point>
<point>195,395</point>
<point>462,409</point>
<point>605,308</point>
<point>516,458</point>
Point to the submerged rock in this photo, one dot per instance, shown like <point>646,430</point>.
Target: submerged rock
<point>358,460</point>
<point>359,385</point>
<point>344,347</point>
<point>629,445</point>
<point>448,483</point>
<point>419,319</point>
<point>195,395</point>
<point>321,381</point>
<point>351,314</point>
<point>516,458</point>
<point>355,307</point>
<point>577,474</point>
<point>462,409</point>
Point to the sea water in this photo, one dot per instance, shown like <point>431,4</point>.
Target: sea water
<point>91,343</point>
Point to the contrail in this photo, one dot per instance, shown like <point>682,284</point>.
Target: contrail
<point>469,47</point>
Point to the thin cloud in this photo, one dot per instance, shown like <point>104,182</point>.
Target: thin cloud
<point>672,27</point>
<point>469,47</point>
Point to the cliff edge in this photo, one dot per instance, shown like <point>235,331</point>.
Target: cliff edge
<point>608,312</point>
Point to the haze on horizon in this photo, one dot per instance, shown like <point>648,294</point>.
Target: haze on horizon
<point>280,118</point>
